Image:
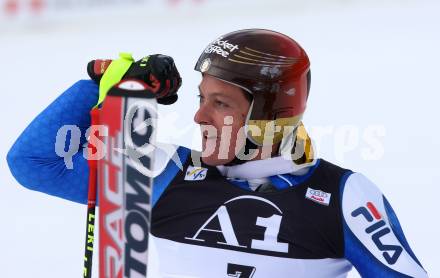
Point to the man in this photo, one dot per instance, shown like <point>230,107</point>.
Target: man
<point>258,204</point>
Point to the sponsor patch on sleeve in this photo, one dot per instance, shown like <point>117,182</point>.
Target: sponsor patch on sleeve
<point>318,196</point>
<point>195,173</point>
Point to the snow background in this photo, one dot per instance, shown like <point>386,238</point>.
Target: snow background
<point>374,65</point>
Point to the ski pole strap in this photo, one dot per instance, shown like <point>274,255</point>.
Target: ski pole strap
<point>114,74</point>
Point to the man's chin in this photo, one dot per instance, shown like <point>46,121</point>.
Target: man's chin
<point>213,160</point>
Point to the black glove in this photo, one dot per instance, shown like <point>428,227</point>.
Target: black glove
<point>158,72</point>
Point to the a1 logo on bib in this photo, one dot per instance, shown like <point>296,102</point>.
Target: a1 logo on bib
<point>318,196</point>
<point>195,173</point>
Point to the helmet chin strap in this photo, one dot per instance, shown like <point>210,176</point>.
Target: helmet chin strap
<point>284,147</point>
<point>297,146</point>
<point>247,148</point>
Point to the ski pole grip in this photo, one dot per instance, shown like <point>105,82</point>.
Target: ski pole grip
<point>108,73</point>
<point>155,75</point>
<point>96,69</point>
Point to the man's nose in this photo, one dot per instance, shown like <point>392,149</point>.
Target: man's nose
<point>203,115</point>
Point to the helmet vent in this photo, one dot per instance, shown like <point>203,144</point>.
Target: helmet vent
<point>258,58</point>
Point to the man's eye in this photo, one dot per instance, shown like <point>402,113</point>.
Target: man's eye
<point>221,104</point>
<point>201,98</point>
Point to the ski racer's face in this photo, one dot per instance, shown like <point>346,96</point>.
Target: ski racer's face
<point>221,116</point>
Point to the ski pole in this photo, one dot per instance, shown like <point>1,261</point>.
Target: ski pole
<point>91,199</point>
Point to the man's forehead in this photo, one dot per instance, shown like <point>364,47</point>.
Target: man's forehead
<point>212,81</point>
<point>214,92</point>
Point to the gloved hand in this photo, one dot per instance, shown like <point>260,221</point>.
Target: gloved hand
<point>156,73</point>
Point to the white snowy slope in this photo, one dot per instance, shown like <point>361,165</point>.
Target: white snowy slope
<point>374,74</point>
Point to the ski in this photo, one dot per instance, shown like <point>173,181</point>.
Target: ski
<point>129,115</point>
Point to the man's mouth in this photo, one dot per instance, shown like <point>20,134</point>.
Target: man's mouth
<point>206,136</point>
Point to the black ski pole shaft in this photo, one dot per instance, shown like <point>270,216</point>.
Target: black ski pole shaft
<point>91,199</point>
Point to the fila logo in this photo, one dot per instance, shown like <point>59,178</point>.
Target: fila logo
<point>378,229</point>
<point>318,196</point>
<point>224,227</point>
<point>195,173</point>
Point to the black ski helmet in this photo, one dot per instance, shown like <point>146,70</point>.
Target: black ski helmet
<point>270,66</point>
